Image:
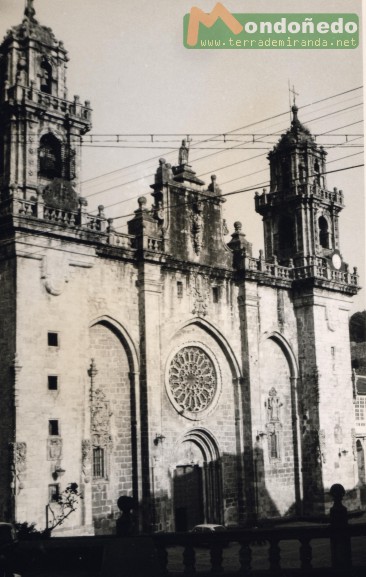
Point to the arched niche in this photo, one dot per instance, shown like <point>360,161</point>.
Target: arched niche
<point>113,418</point>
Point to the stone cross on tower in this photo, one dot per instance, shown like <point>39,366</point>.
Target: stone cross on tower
<point>294,94</point>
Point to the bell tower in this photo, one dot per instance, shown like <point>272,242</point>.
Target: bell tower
<point>40,128</point>
<point>300,215</point>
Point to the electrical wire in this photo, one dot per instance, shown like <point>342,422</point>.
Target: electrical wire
<point>247,189</point>
<point>196,160</point>
<point>229,132</point>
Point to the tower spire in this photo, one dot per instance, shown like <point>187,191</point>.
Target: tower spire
<point>29,10</point>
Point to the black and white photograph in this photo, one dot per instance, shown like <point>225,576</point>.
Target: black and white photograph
<point>182,301</point>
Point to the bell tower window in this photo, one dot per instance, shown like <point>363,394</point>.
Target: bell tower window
<point>50,157</point>
<point>317,172</point>
<point>286,176</point>
<point>46,77</point>
<point>286,237</point>
<point>323,233</point>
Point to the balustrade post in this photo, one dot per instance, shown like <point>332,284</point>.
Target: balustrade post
<point>274,556</point>
<point>216,558</point>
<point>40,205</point>
<point>340,541</point>
<point>189,559</point>
<point>261,260</point>
<point>102,221</point>
<point>245,558</point>
<point>163,557</point>
<point>83,216</point>
<point>306,554</point>
<point>111,232</point>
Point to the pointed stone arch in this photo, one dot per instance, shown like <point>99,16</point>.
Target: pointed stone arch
<point>285,420</point>
<point>125,337</point>
<point>286,349</point>
<point>197,480</point>
<point>220,339</point>
<point>114,418</point>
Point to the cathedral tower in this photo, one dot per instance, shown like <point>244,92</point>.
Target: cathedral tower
<point>41,130</point>
<point>300,215</point>
<point>301,234</point>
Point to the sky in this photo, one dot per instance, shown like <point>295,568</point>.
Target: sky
<point>127,57</point>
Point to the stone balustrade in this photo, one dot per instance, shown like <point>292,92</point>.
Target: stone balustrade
<point>154,244</point>
<point>312,550</point>
<point>77,219</point>
<point>49,102</point>
<point>304,189</point>
<point>307,267</point>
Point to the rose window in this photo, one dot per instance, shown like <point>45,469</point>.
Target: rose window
<point>192,379</point>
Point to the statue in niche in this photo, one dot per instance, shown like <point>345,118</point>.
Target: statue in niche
<point>183,153</point>
<point>273,406</point>
<point>159,212</point>
<point>200,295</point>
<point>197,227</point>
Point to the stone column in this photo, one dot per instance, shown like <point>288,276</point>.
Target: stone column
<point>250,334</point>
<point>149,285</point>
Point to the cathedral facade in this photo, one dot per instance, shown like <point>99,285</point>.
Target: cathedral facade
<point>164,364</point>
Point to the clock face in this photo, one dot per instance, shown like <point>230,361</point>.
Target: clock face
<point>336,261</point>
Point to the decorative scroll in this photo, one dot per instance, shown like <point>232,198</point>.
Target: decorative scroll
<point>55,272</point>
<point>86,459</point>
<point>354,444</point>
<point>18,465</point>
<point>54,448</point>
<point>192,379</point>
<point>321,446</point>
<point>100,420</point>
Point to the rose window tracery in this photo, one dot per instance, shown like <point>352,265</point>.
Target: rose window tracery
<point>192,379</point>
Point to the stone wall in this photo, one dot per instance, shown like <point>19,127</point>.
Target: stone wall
<point>7,401</point>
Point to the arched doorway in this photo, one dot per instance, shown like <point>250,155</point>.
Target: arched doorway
<point>197,481</point>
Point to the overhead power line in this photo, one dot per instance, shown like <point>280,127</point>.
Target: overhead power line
<point>201,158</point>
<point>222,184</point>
<point>247,189</point>
<point>143,177</point>
<point>228,132</point>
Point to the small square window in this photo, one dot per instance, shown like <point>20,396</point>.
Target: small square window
<point>179,289</point>
<point>52,339</point>
<point>215,294</point>
<point>53,493</point>
<point>53,429</point>
<point>52,382</point>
